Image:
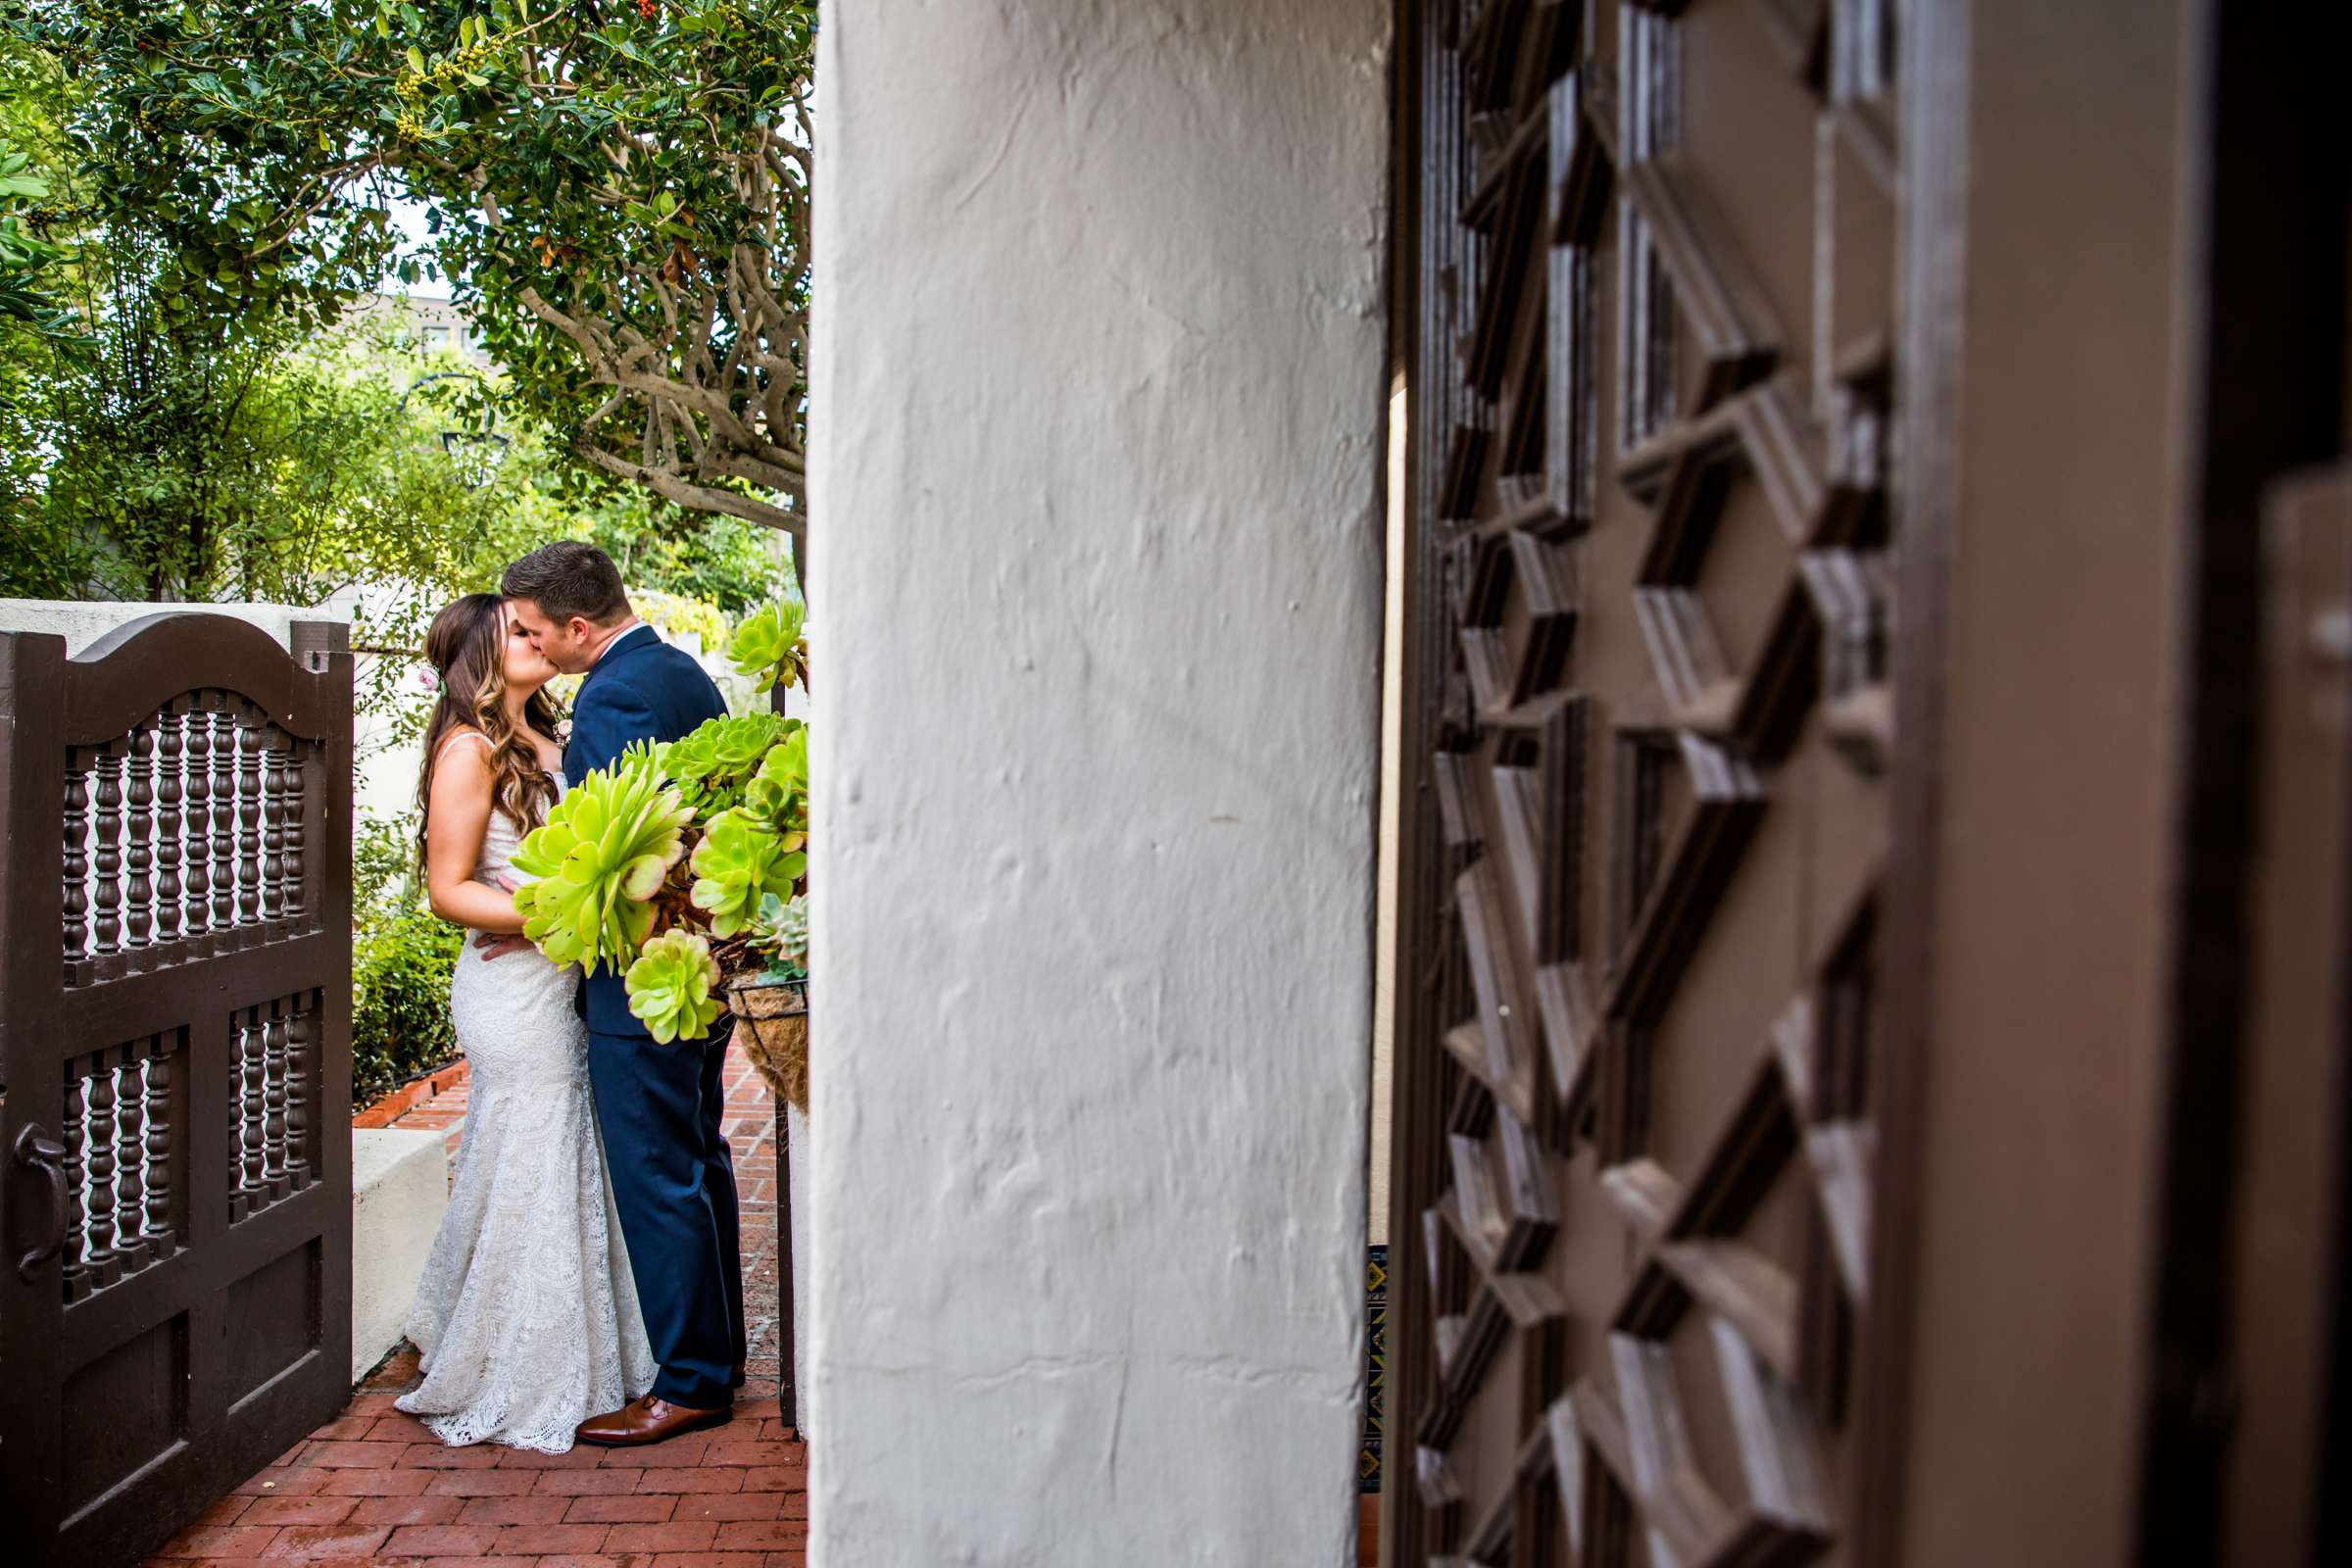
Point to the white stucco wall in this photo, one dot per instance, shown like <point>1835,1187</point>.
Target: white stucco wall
<point>383,778</point>
<point>399,1193</point>
<point>81,622</point>
<point>1098,388</point>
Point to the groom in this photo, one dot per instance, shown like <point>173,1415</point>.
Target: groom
<point>660,1106</point>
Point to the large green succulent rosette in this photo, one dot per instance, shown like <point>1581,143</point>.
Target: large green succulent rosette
<point>711,764</point>
<point>778,794</point>
<point>602,852</point>
<point>674,987</point>
<point>740,860</point>
<point>766,649</point>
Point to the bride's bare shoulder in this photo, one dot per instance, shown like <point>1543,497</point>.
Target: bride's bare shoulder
<point>463,732</point>
<point>461,767</point>
<point>455,744</point>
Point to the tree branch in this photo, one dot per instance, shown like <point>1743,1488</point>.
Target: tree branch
<point>671,486</point>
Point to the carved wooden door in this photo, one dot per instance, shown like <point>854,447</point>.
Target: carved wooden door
<point>1647,657</point>
<point>176,1032</point>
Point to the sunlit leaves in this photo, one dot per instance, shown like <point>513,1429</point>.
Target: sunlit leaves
<point>592,155</point>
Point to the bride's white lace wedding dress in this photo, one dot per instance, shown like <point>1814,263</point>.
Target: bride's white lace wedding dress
<point>526,1315</point>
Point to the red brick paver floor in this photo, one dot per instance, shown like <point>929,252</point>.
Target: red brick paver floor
<point>373,1487</point>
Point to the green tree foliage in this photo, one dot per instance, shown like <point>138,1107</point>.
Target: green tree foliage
<point>618,188</point>
<point>214,458</point>
<point>720,561</point>
<point>235,463</point>
<point>29,264</point>
<point>38,274</point>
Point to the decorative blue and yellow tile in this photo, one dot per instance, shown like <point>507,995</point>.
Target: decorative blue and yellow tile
<point>1376,1364</point>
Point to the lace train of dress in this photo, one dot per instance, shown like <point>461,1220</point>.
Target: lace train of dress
<point>527,1316</point>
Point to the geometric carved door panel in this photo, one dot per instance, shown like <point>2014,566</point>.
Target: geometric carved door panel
<point>1647,653</point>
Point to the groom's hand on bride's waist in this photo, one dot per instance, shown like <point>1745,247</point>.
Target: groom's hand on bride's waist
<point>491,945</point>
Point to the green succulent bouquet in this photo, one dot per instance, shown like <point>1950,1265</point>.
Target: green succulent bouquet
<point>600,859</point>
<point>680,865</point>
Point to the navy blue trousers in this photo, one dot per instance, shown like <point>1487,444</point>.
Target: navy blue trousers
<point>674,1178</point>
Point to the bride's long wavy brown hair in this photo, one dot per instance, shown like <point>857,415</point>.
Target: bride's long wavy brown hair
<point>466,647</point>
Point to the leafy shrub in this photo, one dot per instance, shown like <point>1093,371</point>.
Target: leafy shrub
<point>401,961</point>
<point>383,868</point>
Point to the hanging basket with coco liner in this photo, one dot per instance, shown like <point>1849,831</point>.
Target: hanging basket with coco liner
<point>766,978</point>
<point>772,1025</point>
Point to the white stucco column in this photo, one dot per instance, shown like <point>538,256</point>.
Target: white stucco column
<point>1096,480</point>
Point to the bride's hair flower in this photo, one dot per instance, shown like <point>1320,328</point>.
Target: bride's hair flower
<point>428,679</point>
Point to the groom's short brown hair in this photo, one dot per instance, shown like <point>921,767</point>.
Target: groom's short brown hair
<point>568,578</point>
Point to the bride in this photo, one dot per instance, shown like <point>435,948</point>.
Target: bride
<point>526,1315</point>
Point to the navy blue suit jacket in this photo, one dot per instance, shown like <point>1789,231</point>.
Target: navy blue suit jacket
<point>641,688</point>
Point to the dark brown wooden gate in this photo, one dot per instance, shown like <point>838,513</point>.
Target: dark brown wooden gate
<point>1646,876</point>
<point>174,949</point>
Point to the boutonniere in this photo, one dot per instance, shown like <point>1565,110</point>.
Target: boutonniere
<point>564,732</point>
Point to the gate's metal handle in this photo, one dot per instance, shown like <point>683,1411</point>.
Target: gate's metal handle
<point>42,1154</point>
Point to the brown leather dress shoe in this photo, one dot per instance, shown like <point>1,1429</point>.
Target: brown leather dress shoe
<point>650,1419</point>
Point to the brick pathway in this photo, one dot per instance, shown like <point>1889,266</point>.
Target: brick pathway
<point>373,1487</point>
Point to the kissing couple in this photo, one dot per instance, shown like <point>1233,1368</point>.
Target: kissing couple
<point>586,1283</point>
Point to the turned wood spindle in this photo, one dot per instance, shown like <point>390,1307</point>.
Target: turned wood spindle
<point>273,1100</point>
<point>249,823</point>
<point>251,1054</point>
<point>141,918</point>
<point>159,1227</point>
<point>298,1090</point>
<point>297,806</point>
<point>101,1253</point>
<point>225,817</point>
<point>108,923</point>
<point>76,859</point>
<point>130,1141</point>
<point>77,1235</point>
<point>168,888</point>
<point>236,1114</point>
<point>198,860</point>
<point>273,826</point>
